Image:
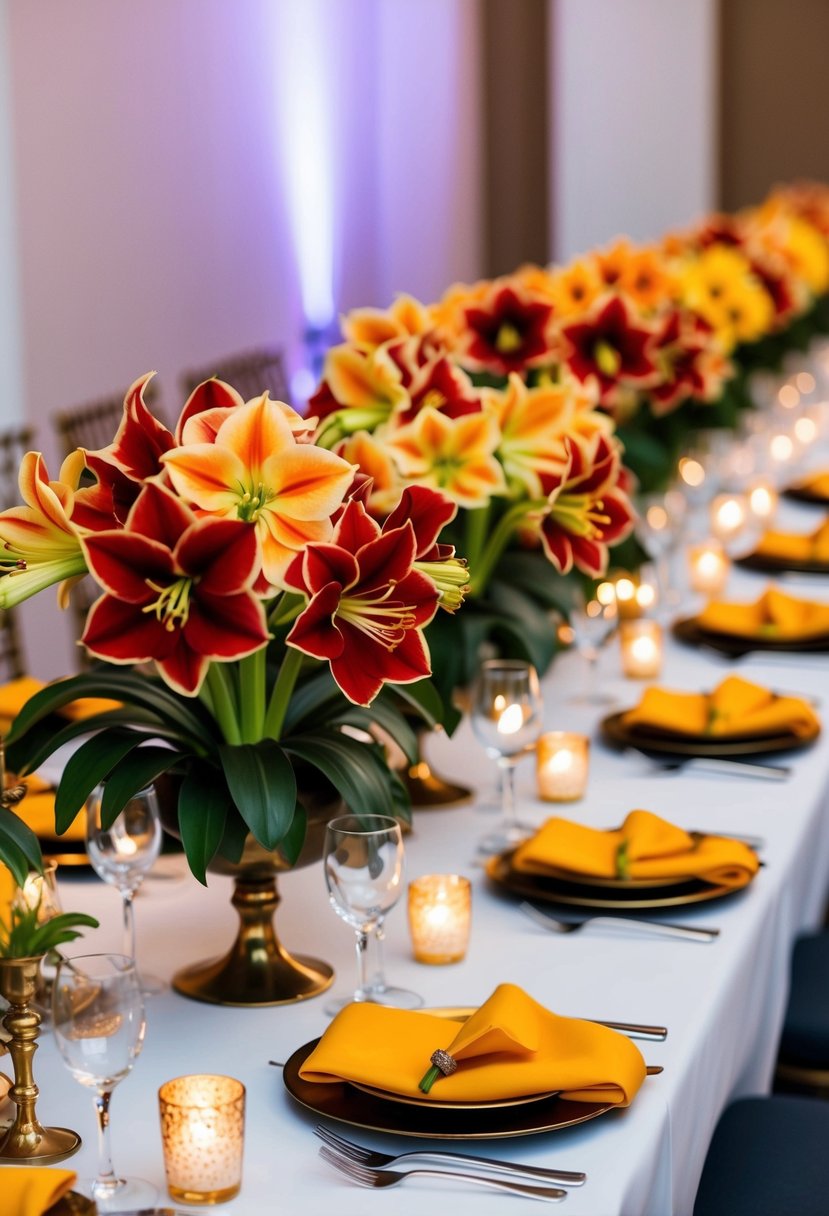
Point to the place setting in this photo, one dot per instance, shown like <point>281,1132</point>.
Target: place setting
<point>774,622</point>
<point>784,552</point>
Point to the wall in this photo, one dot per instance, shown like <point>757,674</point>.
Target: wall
<point>11,400</point>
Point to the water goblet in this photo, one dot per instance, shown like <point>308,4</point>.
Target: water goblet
<point>363,862</point>
<point>98,1022</point>
<point>507,720</point>
<point>593,618</point>
<point>121,854</point>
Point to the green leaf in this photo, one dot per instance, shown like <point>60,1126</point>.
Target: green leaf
<point>389,719</point>
<point>19,847</point>
<point>352,768</point>
<point>202,814</point>
<point>43,739</point>
<point>86,768</point>
<point>291,843</point>
<point>316,699</point>
<point>234,836</point>
<point>422,696</point>
<point>138,769</point>
<point>263,786</point>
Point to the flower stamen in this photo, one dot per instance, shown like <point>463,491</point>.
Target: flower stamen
<point>173,604</point>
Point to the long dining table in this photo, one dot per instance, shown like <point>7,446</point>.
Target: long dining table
<point>722,1002</point>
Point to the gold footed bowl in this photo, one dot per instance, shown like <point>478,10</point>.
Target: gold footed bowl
<point>27,1141</point>
<point>426,788</point>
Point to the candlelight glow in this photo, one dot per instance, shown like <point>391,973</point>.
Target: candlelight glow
<point>762,500</point>
<point>691,472</point>
<point>510,720</point>
<point>789,397</point>
<point>805,430</point>
<point>781,448</point>
<point>805,382</point>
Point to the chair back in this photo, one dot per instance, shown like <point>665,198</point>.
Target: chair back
<point>250,373</point>
<point>14,444</point>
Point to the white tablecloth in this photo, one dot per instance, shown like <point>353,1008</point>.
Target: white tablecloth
<point>723,1003</point>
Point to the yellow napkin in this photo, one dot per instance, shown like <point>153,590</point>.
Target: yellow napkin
<point>655,849</point>
<point>7,889</point>
<point>774,616</point>
<point>817,483</point>
<point>29,1190</point>
<point>510,1047</point>
<point>735,707</point>
<point>15,694</point>
<point>797,546</point>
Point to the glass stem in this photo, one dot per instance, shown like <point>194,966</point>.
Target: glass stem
<point>106,1182</point>
<point>129,923</point>
<point>378,971</point>
<point>592,681</point>
<point>362,965</point>
<point>507,768</point>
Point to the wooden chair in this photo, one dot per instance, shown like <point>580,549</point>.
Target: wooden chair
<point>93,424</point>
<point>250,373</point>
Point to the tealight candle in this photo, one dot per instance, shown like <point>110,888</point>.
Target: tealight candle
<point>562,761</point>
<point>708,567</point>
<point>641,646</point>
<point>440,907</point>
<point>728,516</point>
<point>762,500</point>
<point>202,1135</point>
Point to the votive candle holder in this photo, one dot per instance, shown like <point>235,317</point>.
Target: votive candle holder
<point>562,765</point>
<point>440,911</point>
<point>641,648</point>
<point>202,1135</point>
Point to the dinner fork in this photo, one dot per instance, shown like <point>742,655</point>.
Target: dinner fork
<point>369,1157</point>
<point>660,927</point>
<point>714,764</point>
<point>363,1176</point>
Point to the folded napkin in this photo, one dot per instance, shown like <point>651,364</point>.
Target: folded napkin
<point>816,483</point>
<point>7,889</point>
<point>735,707</point>
<point>510,1047</point>
<point>37,809</point>
<point>774,616</point>
<point>797,546</point>
<point>652,848</point>
<point>15,694</point>
<point>29,1190</point>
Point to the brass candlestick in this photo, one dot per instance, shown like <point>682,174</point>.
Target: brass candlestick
<point>27,1140</point>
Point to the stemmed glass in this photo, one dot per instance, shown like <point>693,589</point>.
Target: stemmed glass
<point>593,618</point>
<point>363,862</point>
<point>123,853</point>
<point>98,1021</point>
<point>507,718</point>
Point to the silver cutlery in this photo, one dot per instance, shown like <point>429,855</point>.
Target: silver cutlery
<point>635,1030</point>
<point>659,928</point>
<point>364,1176</point>
<point>715,764</point>
<point>368,1157</point>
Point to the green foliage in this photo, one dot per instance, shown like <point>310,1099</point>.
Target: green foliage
<point>23,937</point>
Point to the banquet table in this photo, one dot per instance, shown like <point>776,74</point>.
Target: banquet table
<point>723,1002</point>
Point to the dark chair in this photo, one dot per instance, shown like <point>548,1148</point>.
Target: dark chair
<point>250,373</point>
<point>767,1157</point>
<point>13,446</point>
<point>803,1058</point>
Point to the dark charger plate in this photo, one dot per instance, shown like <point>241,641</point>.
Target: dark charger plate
<point>767,564</point>
<point>689,631</point>
<point>616,732</point>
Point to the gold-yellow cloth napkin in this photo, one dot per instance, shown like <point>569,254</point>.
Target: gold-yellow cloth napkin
<point>37,809</point>
<point>28,1190</point>
<point>797,546</point>
<point>15,694</point>
<point>7,889</point>
<point>510,1047</point>
<point>816,483</point>
<point>774,616</point>
<point>734,707</point>
<point>654,849</point>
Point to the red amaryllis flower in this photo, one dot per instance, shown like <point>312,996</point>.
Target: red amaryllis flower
<point>432,379</point>
<point>177,590</point>
<point>691,362</point>
<point>586,509</point>
<point>506,333</point>
<point>610,347</point>
<point>368,605</point>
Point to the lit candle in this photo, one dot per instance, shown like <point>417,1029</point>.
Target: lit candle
<point>708,567</point>
<point>728,516</point>
<point>762,500</point>
<point>562,761</point>
<point>202,1135</point>
<point>641,645</point>
<point>440,907</point>
<point>626,588</point>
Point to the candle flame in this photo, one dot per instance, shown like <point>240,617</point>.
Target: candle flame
<point>510,720</point>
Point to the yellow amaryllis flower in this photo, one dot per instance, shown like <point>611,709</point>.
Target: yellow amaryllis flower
<point>720,287</point>
<point>573,288</point>
<point>372,458</point>
<point>40,544</point>
<point>256,471</point>
<point>453,455</point>
<point>369,328</point>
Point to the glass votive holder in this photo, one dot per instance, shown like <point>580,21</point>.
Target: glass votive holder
<point>641,648</point>
<point>562,763</point>
<point>728,516</point>
<point>708,567</point>
<point>202,1135</point>
<point>626,587</point>
<point>440,910</point>
<point>762,500</point>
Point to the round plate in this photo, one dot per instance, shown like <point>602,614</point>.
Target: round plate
<point>73,1204</point>
<point>689,631</point>
<point>803,494</point>
<point>630,898</point>
<point>649,739</point>
<point>340,1101</point>
<point>767,564</point>
<point>409,1100</point>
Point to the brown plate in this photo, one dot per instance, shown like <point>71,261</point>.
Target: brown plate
<point>689,631</point>
<point>624,898</point>
<point>73,1204</point>
<point>767,564</point>
<point>346,1104</point>
<point>650,739</point>
<point>804,494</point>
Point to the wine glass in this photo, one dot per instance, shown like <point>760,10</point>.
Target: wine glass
<point>98,1022</point>
<point>363,862</point>
<point>507,718</point>
<point>123,853</point>
<point>659,527</point>
<point>593,618</point>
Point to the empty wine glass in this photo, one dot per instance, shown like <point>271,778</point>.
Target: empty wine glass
<point>593,618</point>
<point>123,853</point>
<point>98,1021</point>
<point>659,527</point>
<point>507,719</point>
<point>363,862</point>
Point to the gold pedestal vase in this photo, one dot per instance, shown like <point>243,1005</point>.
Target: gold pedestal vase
<point>426,788</point>
<point>27,1140</point>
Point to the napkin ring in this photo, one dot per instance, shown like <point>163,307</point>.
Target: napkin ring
<point>446,1063</point>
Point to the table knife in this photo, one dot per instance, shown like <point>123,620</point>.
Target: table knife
<point>153,1212</point>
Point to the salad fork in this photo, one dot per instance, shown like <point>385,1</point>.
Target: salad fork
<point>368,1157</point>
<point>682,932</point>
<point>363,1176</point>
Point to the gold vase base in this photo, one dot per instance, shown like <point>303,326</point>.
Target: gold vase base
<point>280,979</point>
<point>428,791</point>
<point>47,1146</point>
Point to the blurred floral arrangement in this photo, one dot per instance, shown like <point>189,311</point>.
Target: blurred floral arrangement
<point>282,621</point>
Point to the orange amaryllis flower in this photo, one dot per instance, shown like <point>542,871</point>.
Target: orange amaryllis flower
<point>533,423</point>
<point>363,388</point>
<point>371,327</point>
<point>177,591</point>
<point>256,471</point>
<point>372,458</point>
<point>453,455</point>
<point>573,288</point>
<point>367,605</point>
<point>40,543</point>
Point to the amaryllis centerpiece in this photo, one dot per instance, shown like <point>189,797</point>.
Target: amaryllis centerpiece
<point>253,621</point>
